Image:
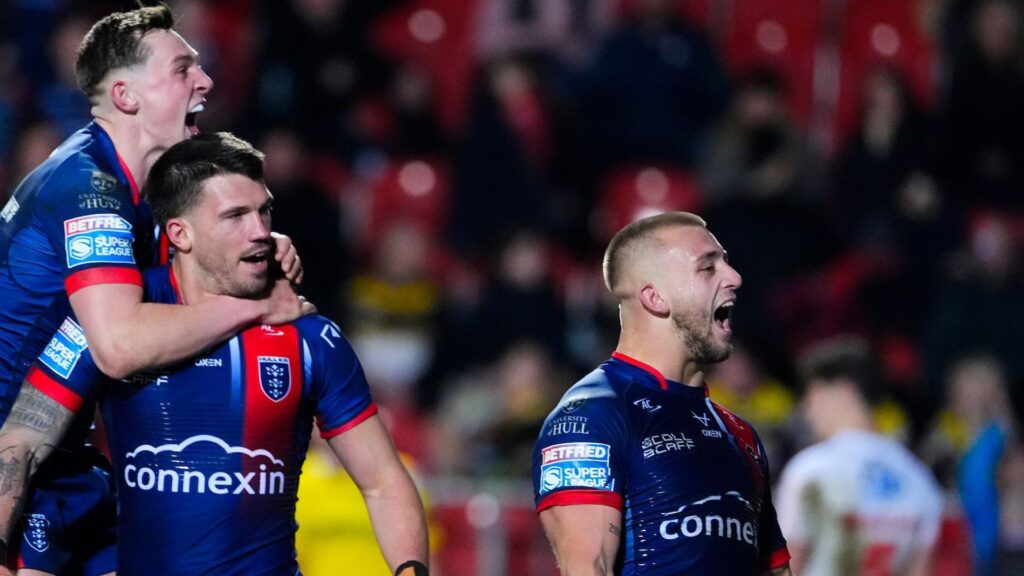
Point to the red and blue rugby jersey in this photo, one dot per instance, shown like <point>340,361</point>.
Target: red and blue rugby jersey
<point>73,222</point>
<point>208,453</point>
<point>690,478</point>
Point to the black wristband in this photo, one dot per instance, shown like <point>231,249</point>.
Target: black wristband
<point>3,553</point>
<point>418,568</point>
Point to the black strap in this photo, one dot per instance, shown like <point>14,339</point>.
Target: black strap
<point>418,568</point>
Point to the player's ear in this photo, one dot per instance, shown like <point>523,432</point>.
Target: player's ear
<point>122,97</point>
<point>652,301</point>
<point>179,233</point>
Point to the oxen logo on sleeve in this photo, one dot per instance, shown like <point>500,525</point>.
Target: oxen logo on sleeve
<point>35,532</point>
<point>275,376</point>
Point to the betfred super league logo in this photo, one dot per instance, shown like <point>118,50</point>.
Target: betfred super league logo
<point>35,532</point>
<point>275,376</point>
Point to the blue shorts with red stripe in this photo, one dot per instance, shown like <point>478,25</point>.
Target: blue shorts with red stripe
<point>69,525</point>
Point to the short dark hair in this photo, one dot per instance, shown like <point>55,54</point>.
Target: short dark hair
<point>176,179</point>
<point>843,358</point>
<point>116,42</point>
<point>626,238</point>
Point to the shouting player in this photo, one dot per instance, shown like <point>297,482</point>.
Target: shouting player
<point>637,471</point>
<point>207,453</point>
<point>76,227</point>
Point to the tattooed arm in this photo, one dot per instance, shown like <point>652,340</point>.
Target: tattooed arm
<point>585,538</point>
<point>32,429</point>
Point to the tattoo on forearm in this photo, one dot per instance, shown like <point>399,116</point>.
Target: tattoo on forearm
<point>12,471</point>
<point>37,411</point>
<point>615,530</point>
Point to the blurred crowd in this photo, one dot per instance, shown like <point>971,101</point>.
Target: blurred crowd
<point>451,170</point>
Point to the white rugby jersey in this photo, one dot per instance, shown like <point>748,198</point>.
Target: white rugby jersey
<point>859,503</point>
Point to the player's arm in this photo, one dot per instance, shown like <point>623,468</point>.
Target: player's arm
<point>127,335</point>
<point>34,427</point>
<point>780,571</point>
<point>396,512</point>
<point>585,537</point>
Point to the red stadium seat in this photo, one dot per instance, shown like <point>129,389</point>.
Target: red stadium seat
<point>782,35</point>
<point>435,35</point>
<point>882,33</point>
<point>632,193</point>
<point>414,189</point>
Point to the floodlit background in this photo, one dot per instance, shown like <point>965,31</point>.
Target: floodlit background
<point>452,169</point>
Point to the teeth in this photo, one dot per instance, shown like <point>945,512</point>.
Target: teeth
<point>197,108</point>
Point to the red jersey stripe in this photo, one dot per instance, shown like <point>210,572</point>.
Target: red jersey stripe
<point>55,390</point>
<point>106,275</point>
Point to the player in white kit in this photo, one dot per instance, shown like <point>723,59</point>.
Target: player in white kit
<point>856,503</point>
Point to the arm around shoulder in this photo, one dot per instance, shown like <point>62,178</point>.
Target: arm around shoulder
<point>122,334</point>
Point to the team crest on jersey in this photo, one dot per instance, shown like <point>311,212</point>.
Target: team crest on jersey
<point>275,376</point>
<point>35,532</point>
<point>102,182</point>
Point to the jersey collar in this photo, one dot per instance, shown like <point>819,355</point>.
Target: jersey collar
<point>109,144</point>
<point>654,378</point>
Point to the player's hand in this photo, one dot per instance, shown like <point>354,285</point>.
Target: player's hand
<point>287,257</point>
<point>284,305</point>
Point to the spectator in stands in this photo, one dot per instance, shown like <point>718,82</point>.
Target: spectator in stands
<point>652,92</point>
<point>306,213</point>
<point>392,310</point>
<point>966,444</point>
<point>761,182</point>
<point>984,123</point>
<point>979,304</point>
<point>487,424</point>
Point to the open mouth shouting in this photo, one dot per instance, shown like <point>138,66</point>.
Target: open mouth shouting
<point>190,119</point>
<point>723,315</point>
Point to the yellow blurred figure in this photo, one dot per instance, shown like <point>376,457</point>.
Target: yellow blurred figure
<point>335,535</point>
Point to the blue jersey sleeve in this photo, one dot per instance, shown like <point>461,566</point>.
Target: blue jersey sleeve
<point>340,391</point>
<point>580,456</point>
<point>65,370</point>
<point>89,218</point>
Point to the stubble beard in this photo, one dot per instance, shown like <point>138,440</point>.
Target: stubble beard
<point>224,281</point>
<point>700,344</point>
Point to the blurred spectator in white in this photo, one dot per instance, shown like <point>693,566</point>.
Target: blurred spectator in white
<point>966,444</point>
<point>857,502</point>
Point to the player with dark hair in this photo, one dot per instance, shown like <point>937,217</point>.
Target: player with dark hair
<point>75,230</point>
<point>208,452</point>
<point>637,471</point>
<point>857,502</point>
